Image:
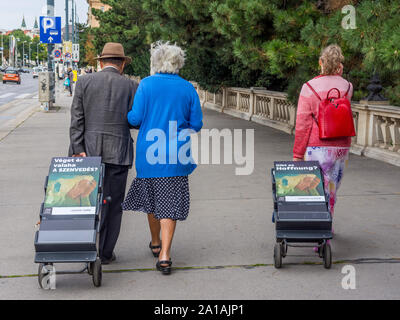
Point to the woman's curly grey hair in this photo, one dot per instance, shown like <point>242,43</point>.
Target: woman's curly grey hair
<point>166,58</point>
<point>331,58</point>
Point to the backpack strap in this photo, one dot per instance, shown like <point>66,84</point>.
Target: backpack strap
<point>348,89</point>
<point>312,114</point>
<point>312,89</point>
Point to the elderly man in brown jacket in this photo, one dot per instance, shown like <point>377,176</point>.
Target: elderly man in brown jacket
<point>99,127</point>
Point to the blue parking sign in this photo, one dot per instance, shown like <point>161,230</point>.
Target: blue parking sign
<point>50,30</point>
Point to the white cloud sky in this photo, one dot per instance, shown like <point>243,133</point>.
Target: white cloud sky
<point>12,11</point>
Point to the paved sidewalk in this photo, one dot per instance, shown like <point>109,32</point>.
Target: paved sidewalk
<point>225,248</point>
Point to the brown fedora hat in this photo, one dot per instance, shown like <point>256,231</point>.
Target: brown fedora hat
<point>114,50</point>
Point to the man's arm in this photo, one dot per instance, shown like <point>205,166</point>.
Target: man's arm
<point>132,97</point>
<point>77,128</point>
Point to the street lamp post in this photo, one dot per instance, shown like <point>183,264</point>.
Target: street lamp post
<point>73,22</point>
<point>23,54</point>
<point>30,54</point>
<point>2,49</point>
<point>37,56</point>
<point>16,52</point>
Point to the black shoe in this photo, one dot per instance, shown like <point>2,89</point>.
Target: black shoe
<point>108,261</point>
<point>155,254</point>
<point>164,269</point>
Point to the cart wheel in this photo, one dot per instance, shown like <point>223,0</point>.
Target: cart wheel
<point>90,268</point>
<point>278,255</point>
<point>42,274</point>
<point>97,273</point>
<point>284,248</point>
<point>327,256</point>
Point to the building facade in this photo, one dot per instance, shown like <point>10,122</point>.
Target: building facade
<point>96,4</point>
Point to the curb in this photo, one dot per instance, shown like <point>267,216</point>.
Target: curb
<point>13,124</point>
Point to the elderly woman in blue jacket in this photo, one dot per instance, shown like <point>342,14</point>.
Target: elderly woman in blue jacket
<point>167,110</point>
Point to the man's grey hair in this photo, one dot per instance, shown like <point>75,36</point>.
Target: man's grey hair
<point>166,58</point>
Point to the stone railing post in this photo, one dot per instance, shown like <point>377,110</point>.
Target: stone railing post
<point>395,133</point>
<point>224,98</point>
<point>273,108</point>
<point>238,101</point>
<point>363,128</point>
<point>292,118</point>
<point>251,103</point>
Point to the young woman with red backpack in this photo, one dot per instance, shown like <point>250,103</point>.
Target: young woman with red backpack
<point>324,124</point>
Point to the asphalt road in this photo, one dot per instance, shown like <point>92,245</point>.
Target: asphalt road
<point>11,91</point>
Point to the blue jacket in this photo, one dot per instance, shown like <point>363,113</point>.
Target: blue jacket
<point>167,109</point>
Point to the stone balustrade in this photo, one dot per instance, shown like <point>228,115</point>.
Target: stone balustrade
<point>378,132</point>
<point>377,127</point>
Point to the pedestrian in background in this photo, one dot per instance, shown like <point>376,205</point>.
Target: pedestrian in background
<point>99,127</point>
<point>161,190</point>
<point>330,153</point>
<point>70,76</point>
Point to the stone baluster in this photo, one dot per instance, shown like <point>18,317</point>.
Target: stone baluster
<point>252,103</point>
<point>377,142</point>
<point>395,134</point>
<point>385,129</point>
<point>224,98</point>
<point>272,109</point>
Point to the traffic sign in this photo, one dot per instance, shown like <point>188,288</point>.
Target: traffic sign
<point>67,49</point>
<point>50,29</point>
<point>57,53</point>
<point>75,52</point>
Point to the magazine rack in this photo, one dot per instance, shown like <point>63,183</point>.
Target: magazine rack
<point>301,213</point>
<point>70,216</point>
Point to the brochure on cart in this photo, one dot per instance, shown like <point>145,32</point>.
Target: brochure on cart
<point>72,187</point>
<point>299,181</point>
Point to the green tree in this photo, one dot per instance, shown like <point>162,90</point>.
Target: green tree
<point>270,43</point>
<point>125,23</point>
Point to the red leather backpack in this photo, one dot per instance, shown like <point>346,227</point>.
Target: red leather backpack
<point>335,118</point>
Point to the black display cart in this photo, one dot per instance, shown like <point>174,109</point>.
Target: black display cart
<point>70,217</point>
<point>301,214</point>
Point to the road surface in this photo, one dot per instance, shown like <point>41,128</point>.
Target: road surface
<point>11,91</point>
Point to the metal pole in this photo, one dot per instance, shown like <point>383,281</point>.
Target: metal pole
<point>50,47</point>
<point>50,59</point>
<point>9,49</point>
<point>2,48</point>
<point>66,20</point>
<point>23,54</point>
<point>29,54</point>
<point>73,22</point>
<point>37,56</point>
<point>76,27</point>
<point>16,53</point>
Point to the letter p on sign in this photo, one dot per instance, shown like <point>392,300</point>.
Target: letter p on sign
<point>48,23</point>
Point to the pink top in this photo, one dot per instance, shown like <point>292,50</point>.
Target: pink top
<point>307,132</point>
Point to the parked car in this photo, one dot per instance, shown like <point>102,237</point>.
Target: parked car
<point>11,75</point>
<point>35,72</point>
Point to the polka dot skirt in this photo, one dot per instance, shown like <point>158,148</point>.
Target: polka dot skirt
<point>166,198</point>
